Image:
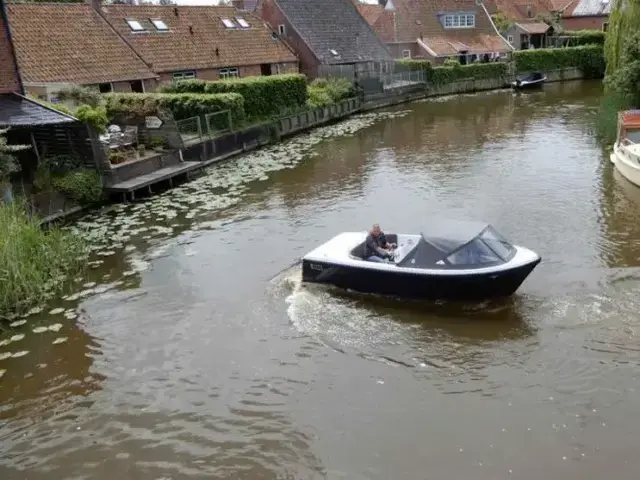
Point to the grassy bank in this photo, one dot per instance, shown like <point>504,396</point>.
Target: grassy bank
<point>33,263</point>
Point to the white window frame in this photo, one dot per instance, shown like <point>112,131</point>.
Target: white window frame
<point>406,53</point>
<point>229,72</point>
<point>242,22</point>
<point>185,75</point>
<point>510,39</point>
<point>160,25</point>
<point>135,25</point>
<point>281,29</point>
<point>460,20</point>
<point>228,23</point>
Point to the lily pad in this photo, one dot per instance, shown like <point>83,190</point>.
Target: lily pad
<point>5,355</point>
<point>19,354</point>
<point>17,323</point>
<point>56,311</point>
<point>40,329</point>
<point>55,327</point>
<point>2,372</point>
<point>17,338</point>
<point>59,340</point>
<point>4,342</point>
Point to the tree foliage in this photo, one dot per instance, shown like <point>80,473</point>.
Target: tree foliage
<point>625,80</point>
<point>624,21</point>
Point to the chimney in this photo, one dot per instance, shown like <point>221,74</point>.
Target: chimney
<point>382,3</point>
<point>95,4</point>
<point>238,4</point>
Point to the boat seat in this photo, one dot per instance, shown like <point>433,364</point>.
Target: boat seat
<point>358,250</point>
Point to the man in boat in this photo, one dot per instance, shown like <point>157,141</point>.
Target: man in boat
<point>376,247</point>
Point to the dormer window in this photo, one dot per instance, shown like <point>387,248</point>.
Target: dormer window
<point>160,25</point>
<point>459,20</point>
<point>228,23</point>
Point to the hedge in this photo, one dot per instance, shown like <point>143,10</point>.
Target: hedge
<point>444,75</point>
<point>327,91</point>
<point>181,105</point>
<point>263,96</point>
<point>588,58</point>
<point>585,37</point>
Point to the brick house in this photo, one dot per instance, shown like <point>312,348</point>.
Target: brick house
<point>9,78</point>
<point>586,15</point>
<point>206,42</point>
<point>526,26</point>
<point>438,29</point>
<point>57,44</point>
<point>327,35</point>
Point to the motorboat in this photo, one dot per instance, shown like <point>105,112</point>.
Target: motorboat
<point>449,260</point>
<point>533,80</point>
<point>626,150</point>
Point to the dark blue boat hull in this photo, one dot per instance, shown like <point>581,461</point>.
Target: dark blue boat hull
<point>418,286</point>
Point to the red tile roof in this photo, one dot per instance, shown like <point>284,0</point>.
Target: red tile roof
<point>196,37</point>
<point>534,28</point>
<point>523,9</point>
<point>421,19</point>
<point>70,43</point>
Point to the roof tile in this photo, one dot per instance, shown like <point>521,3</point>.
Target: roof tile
<point>197,37</point>
<point>71,43</point>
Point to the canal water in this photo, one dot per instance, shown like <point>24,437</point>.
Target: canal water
<point>190,350</point>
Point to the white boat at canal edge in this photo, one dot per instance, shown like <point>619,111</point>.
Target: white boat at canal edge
<point>626,150</point>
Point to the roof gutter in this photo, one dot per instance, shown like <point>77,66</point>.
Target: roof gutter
<point>5,19</point>
<point>511,47</point>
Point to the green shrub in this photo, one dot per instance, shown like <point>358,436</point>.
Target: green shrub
<point>265,96</point>
<point>82,186</point>
<point>180,105</point>
<point>183,86</point>
<point>319,97</point>
<point>413,64</point>
<point>585,37</point>
<point>588,58</point>
<point>33,263</point>
<point>81,96</point>
<point>335,88</point>
<point>94,116</point>
<point>475,71</point>
<point>451,62</point>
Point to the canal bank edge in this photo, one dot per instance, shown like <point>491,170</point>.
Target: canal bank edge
<point>195,158</point>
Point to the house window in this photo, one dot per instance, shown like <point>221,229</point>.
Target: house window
<point>460,21</point>
<point>228,73</point>
<point>242,22</point>
<point>228,23</point>
<point>183,75</point>
<point>605,26</point>
<point>160,25</point>
<point>105,87</point>
<point>281,29</point>
<point>406,53</point>
<point>510,38</point>
<point>135,25</point>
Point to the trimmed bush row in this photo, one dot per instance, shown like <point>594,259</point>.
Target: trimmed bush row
<point>323,91</point>
<point>588,58</point>
<point>181,105</point>
<point>263,96</point>
<point>444,75</point>
<point>586,37</point>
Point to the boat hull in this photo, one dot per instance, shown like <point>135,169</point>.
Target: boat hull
<point>627,164</point>
<point>419,285</point>
<point>528,85</point>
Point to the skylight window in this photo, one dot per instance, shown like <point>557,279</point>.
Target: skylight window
<point>135,25</point>
<point>333,52</point>
<point>160,25</point>
<point>228,23</point>
<point>243,23</point>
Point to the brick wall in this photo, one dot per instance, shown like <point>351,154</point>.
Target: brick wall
<point>274,17</point>
<point>8,75</point>
<point>212,74</point>
<point>584,23</point>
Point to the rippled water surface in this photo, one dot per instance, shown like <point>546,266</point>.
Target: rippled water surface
<point>190,350</point>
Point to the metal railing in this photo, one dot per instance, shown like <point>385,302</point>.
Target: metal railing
<point>196,129</point>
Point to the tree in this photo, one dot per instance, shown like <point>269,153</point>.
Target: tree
<point>8,164</point>
<point>624,21</point>
<point>625,80</point>
<point>501,22</point>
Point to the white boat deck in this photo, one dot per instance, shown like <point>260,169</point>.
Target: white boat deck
<point>337,251</point>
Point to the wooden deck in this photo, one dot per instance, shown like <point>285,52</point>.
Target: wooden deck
<point>167,173</point>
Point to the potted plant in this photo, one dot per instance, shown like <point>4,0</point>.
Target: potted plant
<point>8,164</point>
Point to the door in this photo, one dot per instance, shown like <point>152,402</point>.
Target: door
<point>265,69</point>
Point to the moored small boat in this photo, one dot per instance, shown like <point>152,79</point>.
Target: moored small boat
<point>449,260</point>
<point>533,80</point>
<point>626,150</point>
